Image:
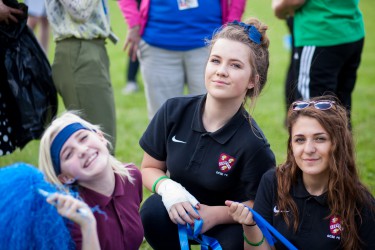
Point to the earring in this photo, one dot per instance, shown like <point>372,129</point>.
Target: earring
<point>70,181</point>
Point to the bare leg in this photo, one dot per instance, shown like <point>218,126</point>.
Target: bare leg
<point>44,33</point>
<point>32,22</point>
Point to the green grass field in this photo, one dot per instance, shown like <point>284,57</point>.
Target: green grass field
<point>269,112</point>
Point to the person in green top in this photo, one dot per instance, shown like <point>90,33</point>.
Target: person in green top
<point>329,38</point>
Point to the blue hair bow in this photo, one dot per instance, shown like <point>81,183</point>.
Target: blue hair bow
<point>253,33</point>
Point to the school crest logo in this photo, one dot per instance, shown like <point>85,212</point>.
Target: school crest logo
<point>226,162</point>
<point>335,225</point>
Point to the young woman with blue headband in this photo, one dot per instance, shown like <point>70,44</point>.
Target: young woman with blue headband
<point>75,154</point>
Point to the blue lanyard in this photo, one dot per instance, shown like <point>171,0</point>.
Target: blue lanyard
<point>265,227</point>
<point>104,8</point>
<point>186,233</point>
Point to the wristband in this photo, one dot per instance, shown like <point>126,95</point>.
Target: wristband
<point>251,243</point>
<point>157,181</point>
<point>251,225</point>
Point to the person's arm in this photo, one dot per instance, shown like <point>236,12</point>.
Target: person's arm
<point>217,215</point>
<point>8,14</point>
<point>130,11</point>
<point>132,41</point>
<point>80,10</point>
<point>80,213</point>
<point>152,170</point>
<point>285,8</point>
<point>132,16</point>
<point>253,236</point>
<point>177,200</point>
<point>236,10</point>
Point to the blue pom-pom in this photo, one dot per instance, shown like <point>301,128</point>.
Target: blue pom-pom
<point>27,221</point>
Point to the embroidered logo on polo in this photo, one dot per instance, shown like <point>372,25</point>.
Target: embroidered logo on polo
<point>276,210</point>
<point>334,227</point>
<point>226,162</point>
<point>178,141</point>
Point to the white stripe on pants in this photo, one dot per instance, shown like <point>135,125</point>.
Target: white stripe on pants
<point>304,71</point>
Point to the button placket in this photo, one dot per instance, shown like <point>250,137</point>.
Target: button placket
<point>200,151</point>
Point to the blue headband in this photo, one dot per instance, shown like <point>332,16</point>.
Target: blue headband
<point>253,33</point>
<point>59,142</point>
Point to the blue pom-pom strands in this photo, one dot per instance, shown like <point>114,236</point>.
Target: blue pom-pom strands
<point>59,142</point>
<point>46,194</point>
<point>253,33</point>
<point>27,220</point>
<point>99,211</point>
<point>81,211</point>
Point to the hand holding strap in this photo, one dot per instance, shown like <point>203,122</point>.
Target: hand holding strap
<point>267,229</point>
<point>187,232</point>
<point>173,192</point>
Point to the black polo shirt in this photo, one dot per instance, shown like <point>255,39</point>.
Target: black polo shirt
<point>315,231</point>
<point>213,167</point>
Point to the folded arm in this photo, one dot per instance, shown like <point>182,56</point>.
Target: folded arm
<point>286,8</point>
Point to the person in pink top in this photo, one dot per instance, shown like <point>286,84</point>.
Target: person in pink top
<point>169,37</point>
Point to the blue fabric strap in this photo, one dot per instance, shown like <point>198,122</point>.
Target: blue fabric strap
<point>186,233</point>
<point>183,236</point>
<point>59,141</point>
<point>266,227</point>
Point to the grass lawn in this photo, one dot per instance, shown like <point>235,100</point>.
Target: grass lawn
<point>269,112</point>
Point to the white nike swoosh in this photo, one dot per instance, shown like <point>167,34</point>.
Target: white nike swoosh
<point>175,140</point>
<point>276,211</point>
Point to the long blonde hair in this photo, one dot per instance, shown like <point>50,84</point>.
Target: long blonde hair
<point>45,160</point>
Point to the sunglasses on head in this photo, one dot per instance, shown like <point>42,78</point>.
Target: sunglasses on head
<point>321,105</point>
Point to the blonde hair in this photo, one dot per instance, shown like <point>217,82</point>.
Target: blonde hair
<point>45,160</point>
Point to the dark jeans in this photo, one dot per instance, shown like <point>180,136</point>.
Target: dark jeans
<point>132,70</point>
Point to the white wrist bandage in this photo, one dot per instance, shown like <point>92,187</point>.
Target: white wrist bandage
<point>172,193</point>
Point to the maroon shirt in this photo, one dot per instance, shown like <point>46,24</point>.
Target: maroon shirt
<point>122,227</point>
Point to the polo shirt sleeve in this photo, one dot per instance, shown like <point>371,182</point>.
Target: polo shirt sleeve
<point>260,162</point>
<point>265,198</point>
<point>136,174</point>
<point>129,9</point>
<point>367,229</point>
<point>154,139</point>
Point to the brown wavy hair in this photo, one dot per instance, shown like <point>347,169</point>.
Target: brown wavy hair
<point>346,195</point>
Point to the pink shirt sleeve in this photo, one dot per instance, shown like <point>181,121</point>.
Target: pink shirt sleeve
<point>130,12</point>
<point>235,10</point>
